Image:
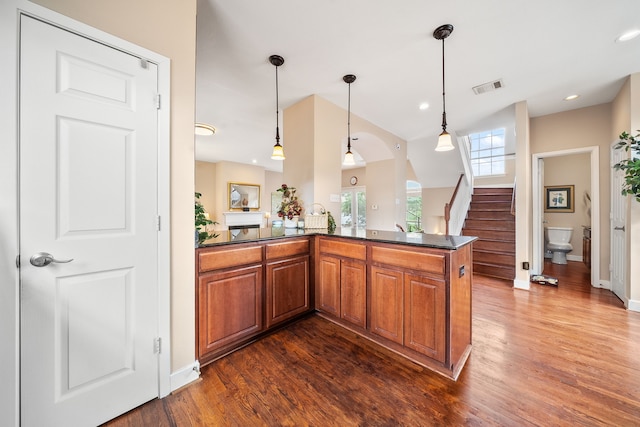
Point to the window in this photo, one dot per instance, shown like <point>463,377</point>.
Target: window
<point>487,153</point>
<point>354,208</point>
<point>414,206</point>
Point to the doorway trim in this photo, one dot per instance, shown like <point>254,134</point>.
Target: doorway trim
<point>537,191</point>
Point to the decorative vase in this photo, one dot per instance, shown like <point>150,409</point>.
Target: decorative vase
<point>291,223</point>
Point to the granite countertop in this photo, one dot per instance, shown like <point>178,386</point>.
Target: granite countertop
<point>246,235</point>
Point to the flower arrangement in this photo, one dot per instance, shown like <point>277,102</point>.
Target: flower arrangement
<point>290,205</point>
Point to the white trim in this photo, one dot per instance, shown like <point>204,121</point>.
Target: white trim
<point>538,185</point>
<point>633,305</point>
<point>577,258</point>
<point>184,376</point>
<point>521,284</point>
<point>603,284</point>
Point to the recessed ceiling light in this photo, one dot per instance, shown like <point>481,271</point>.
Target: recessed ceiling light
<point>204,129</point>
<point>629,35</point>
<point>424,106</point>
<point>254,161</point>
<point>571,97</point>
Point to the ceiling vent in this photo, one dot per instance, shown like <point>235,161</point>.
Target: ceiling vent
<point>488,87</point>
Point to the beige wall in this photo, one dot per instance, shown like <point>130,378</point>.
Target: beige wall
<point>167,27</point>
<point>574,169</point>
<point>205,183</point>
<point>241,173</point>
<point>314,162</point>
<point>433,201</point>
<point>583,127</point>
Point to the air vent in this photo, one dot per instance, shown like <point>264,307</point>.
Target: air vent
<point>488,87</point>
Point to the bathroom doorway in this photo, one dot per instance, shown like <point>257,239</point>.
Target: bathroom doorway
<point>538,191</point>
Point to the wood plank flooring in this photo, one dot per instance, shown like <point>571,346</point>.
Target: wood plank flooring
<point>551,356</point>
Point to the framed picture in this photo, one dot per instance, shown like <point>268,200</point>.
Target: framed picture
<point>559,198</point>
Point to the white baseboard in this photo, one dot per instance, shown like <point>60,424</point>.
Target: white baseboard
<point>633,305</point>
<point>574,257</point>
<point>603,284</point>
<point>521,284</point>
<point>184,376</point>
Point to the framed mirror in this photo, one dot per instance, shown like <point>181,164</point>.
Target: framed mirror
<point>244,196</point>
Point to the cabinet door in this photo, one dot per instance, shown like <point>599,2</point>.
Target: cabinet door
<point>424,310</point>
<point>287,289</point>
<point>353,292</point>
<point>229,307</point>
<point>387,303</point>
<point>328,288</point>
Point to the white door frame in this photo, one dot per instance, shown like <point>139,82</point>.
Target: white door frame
<point>538,208</point>
<point>9,244</point>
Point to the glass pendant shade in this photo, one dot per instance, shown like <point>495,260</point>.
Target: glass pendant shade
<point>278,152</point>
<point>348,159</point>
<point>444,142</point>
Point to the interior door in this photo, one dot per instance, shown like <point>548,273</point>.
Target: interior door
<point>88,228</point>
<point>618,232</point>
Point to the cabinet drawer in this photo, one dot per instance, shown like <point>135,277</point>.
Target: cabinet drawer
<point>288,249</point>
<point>409,259</point>
<point>345,249</point>
<point>225,258</point>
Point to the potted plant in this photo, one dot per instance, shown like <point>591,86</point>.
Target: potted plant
<point>631,166</point>
<point>201,222</point>
<point>290,206</point>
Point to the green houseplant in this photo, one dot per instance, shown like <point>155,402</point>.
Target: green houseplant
<point>201,222</point>
<point>630,167</point>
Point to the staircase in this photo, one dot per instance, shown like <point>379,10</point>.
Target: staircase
<point>490,219</point>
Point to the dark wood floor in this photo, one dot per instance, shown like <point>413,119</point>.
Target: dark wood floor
<point>551,356</point>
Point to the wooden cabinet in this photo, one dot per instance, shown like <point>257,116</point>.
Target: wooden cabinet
<point>387,302</point>
<point>342,279</point>
<point>287,289</point>
<point>424,315</point>
<point>244,290</point>
<point>229,307</point>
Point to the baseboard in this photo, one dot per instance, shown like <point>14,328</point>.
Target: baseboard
<point>574,258</point>
<point>521,284</point>
<point>603,284</point>
<point>633,305</point>
<point>184,376</point>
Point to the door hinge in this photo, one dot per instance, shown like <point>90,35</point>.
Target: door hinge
<point>158,101</point>
<point>144,63</point>
<point>158,223</point>
<point>18,261</point>
<point>157,345</point>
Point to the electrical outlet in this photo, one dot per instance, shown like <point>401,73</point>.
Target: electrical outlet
<point>525,265</point>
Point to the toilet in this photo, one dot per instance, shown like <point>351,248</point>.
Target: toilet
<point>558,239</point>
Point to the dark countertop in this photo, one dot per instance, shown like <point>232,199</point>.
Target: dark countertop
<point>414,239</point>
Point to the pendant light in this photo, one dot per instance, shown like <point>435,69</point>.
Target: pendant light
<point>348,156</point>
<point>278,151</point>
<point>444,140</point>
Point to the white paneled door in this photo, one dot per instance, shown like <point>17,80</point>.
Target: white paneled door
<point>618,232</point>
<point>88,199</point>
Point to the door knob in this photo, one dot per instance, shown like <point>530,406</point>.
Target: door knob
<point>619,228</point>
<point>42,259</point>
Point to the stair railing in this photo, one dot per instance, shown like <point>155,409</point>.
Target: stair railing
<point>455,211</point>
<point>513,198</point>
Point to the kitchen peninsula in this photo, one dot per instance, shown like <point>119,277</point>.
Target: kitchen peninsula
<point>408,292</point>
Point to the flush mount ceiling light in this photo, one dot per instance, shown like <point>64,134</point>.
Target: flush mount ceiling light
<point>629,35</point>
<point>348,156</point>
<point>278,151</point>
<point>444,140</point>
<point>204,129</point>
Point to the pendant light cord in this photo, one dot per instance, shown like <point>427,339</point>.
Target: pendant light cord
<point>349,120</point>
<point>444,111</point>
<point>277,110</point>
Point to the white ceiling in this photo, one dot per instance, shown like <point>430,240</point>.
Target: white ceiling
<point>543,50</point>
